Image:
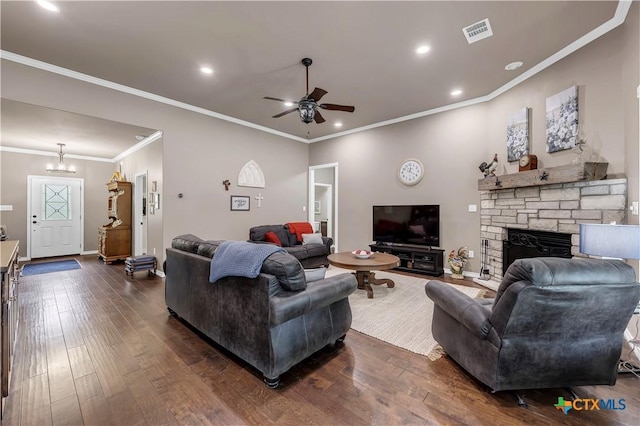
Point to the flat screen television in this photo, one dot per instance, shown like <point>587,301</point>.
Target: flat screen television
<point>408,225</point>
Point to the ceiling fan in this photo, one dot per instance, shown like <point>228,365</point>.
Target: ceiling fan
<point>308,105</point>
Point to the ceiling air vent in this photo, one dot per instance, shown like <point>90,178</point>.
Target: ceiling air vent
<point>478,31</point>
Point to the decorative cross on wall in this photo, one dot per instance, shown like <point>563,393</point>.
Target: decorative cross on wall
<point>226,184</point>
<point>259,197</point>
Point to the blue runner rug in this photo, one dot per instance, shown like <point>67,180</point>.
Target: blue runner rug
<point>47,267</point>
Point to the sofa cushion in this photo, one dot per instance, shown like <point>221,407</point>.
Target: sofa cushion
<point>299,251</point>
<point>314,250</point>
<point>272,237</point>
<point>208,248</point>
<point>312,238</point>
<point>257,233</point>
<point>286,269</point>
<point>187,242</point>
<point>291,236</point>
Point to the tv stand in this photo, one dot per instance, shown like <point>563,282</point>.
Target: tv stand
<point>418,260</point>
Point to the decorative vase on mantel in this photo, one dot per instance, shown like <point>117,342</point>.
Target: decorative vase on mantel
<point>457,262</point>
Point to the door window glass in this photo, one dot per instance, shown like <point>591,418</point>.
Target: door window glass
<point>57,202</point>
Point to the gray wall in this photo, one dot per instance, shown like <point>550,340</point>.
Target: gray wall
<point>148,159</point>
<point>13,191</point>
<point>452,144</point>
<point>198,153</point>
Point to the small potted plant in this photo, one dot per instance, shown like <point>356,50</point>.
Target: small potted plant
<point>458,261</point>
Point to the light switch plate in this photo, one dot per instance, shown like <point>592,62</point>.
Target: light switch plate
<point>473,208</point>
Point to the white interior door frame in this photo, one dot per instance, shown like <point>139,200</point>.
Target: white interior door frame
<point>140,203</point>
<point>311,199</point>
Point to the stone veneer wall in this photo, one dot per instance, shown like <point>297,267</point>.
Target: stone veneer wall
<point>555,208</point>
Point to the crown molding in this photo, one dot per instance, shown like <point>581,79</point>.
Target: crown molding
<point>619,17</point>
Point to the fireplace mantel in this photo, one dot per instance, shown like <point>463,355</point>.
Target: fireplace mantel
<point>574,172</point>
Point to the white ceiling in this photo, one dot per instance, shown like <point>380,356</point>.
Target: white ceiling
<point>363,54</point>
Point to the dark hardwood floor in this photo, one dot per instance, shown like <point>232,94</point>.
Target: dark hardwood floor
<point>96,347</point>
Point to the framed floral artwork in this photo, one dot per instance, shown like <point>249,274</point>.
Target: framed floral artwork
<point>518,134</point>
<point>562,120</point>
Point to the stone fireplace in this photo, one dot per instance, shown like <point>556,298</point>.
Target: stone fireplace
<point>553,209</point>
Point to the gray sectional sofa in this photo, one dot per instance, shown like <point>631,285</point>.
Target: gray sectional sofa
<point>273,321</point>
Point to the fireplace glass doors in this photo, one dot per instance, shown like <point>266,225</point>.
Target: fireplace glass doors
<point>525,243</point>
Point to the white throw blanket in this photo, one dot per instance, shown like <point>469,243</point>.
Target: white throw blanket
<point>239,259</point>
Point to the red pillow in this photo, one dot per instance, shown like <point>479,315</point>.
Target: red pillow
<point>272,238</point>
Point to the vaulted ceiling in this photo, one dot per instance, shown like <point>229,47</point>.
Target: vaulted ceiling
<point>364,54</point>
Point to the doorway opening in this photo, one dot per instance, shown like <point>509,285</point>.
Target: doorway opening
<point>323,200</point>
<point>140,214</point>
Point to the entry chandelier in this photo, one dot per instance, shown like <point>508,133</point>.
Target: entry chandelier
<point>60,167</point>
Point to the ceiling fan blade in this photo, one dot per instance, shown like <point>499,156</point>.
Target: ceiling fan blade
<point>289,111</point>
<point>318,117</point>
<point>337,107</point>
<point>317,94</point>
<point>277,99</point>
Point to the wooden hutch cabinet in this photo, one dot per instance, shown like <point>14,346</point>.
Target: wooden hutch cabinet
<point>114,239</point>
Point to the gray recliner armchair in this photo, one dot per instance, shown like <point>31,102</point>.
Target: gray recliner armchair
<point>554,323</point>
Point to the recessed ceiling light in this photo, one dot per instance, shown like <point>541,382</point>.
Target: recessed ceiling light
<point>456,92</point>
<point>337,124</point>
<point>288,103</point>
<point>513,66</point>
<point>423,49</point>
<point>49,6</point>
<point>206,70</point>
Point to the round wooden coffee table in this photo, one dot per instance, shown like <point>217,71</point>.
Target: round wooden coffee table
<point>364,267</point>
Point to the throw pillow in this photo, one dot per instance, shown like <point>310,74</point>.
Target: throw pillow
<point>272,238</point>
<point>314,274</point>
<point>312,239</point>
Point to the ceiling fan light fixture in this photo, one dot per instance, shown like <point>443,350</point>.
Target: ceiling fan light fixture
<point>308,105</point>
<point>307,111</point>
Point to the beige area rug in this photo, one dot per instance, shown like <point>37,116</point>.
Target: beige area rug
<point>401,315</point>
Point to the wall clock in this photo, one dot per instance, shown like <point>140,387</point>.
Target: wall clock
<point>410,171</point>
<point>528,162</point>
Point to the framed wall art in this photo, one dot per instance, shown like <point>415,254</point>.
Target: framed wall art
<point>562,120</point>
<point>518,134</point>
<point>240,203</point>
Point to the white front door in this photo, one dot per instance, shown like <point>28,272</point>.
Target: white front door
<point>55,216</point>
